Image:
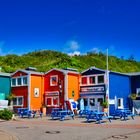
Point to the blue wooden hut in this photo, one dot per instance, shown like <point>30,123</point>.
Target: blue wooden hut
<point>94,85</point>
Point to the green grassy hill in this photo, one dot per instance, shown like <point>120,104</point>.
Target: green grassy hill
<point>45,60</point>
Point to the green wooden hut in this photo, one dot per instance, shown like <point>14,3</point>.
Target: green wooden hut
<point>5,85</point>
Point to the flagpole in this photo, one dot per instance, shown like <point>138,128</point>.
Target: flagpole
<point>107,78</point>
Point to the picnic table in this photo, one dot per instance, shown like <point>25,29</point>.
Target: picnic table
<point>84,113</point>
<point>25,112</point>
<point>98,116</point>
<point>123,114</point>
<point>61,114</point>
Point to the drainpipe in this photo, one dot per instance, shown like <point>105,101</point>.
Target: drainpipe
<point>29,87</point>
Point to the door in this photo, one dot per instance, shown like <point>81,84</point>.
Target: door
<point>95,102</point>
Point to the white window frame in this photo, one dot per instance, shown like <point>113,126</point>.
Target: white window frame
<point>22,80</point>
<point>96,79</point>
<point>16,78</point>
<point>17,81</point>
<point>138,92</point>
<point>12,82</point>
<point>56,76</point>
<point>121,106</point>
<point>87,80</point>
<point>52,101</point>
<point>17,100</point>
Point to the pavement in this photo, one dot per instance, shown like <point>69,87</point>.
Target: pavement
<point>77,129</point>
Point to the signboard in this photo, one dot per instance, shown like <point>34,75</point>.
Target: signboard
<point>93,89</point>
<point>36,92</point>
<point>52,93</point>
<point>3,104</point>
<point>111,101</point>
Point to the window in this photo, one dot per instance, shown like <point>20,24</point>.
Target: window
<point>24,80</point>
<point>13,82</point>
<point>84,80</point>
<point>18,81</point>
<point>55,101</point>
<point>53,80</point>
<point>101,79</point>
<point>18,101</point>
<point>85,102</point>
<point>138,92</point>
<point>120,103</point>
<point>92,102</point>
<point>92,80</point>
<point>100,100</point>
<point>49,101</point>
<point>52,101</point>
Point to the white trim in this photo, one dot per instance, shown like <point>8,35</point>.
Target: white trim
<point>56,76</point>
<point>121,103</point>
<point>62,71</point>
<point>96,80</point>
<point>17,100</point>
<point>66,87</point>
<point>51,92</point>
<point>138,92</point>
<point>93,68</point>
<point>29,90</point>
<point>12,82</point>
<point>16,78</point>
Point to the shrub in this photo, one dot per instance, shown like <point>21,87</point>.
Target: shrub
<point>6,114</point>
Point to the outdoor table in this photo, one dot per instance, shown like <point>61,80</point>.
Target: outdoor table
<point>62,114</point>
<point>123,114</point>
<point>98,116</point>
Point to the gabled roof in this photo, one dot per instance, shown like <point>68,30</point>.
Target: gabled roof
<point>5,74</point>
<point>63,71</point>
<point>28,72</point>
<point>94,69</point>
<point>133,74</point>
<point>98,69</point>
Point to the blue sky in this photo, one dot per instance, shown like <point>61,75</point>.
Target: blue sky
<point>70,26</point>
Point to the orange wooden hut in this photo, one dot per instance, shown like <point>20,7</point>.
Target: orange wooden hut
<point>28,88</point>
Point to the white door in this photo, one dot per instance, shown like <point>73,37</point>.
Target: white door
<point>95,102</point>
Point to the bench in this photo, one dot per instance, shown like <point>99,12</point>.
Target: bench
<point>123,114</point>
<point>84,113</point>
<point>25,112</point>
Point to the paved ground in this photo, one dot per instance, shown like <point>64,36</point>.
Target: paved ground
<point>47,129</point>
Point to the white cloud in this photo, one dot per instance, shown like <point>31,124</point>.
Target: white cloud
<point>74,53</point>
<point>95,50</point>
<point>72,45</point>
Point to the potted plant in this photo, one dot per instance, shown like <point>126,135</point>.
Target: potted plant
<point>10,98</point>
<point>133,96</point>
<point>105,105</point>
